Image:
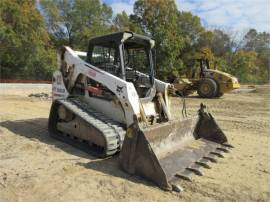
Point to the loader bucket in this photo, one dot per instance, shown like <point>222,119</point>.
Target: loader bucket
<point>176,149</point>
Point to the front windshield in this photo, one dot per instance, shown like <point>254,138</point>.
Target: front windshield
<point>130,60</point>
<point>205,64</point>
<point>138,64</point>
<point>137,59</point>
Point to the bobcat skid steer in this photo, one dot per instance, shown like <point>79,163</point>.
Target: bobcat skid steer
<point>108,101</point>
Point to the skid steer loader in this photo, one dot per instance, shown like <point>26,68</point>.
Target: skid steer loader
<point>108,101</point>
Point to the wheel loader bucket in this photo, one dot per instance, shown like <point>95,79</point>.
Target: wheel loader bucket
<point>173,150</point>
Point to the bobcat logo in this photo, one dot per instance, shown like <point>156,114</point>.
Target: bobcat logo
<point>119,89</point>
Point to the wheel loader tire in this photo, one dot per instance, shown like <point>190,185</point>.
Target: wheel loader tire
<point>207,88</point>
<point>219,94</point>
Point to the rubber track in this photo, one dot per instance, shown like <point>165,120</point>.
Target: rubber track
<point>113,132</point>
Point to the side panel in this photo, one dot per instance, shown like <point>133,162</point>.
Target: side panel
<point>59,90</point>
<point>111,109</point>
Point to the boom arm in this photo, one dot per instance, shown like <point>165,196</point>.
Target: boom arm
<point>125,91</point>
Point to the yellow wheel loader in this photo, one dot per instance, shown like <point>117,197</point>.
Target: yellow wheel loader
<point>108,101</point>
<point>208,83</point>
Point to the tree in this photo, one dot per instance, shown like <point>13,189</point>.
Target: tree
<point>195,36</point>
<point>122,22</point>
<point>74,22</point>
<point>260,43</point>
<point>25,50</point>
<point>244,66</point>
<point>158,19</point>
<point>255,41</point>
<point>221,43</point>
<point>263,62</point>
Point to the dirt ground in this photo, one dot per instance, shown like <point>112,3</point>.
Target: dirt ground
<point>35,167</point>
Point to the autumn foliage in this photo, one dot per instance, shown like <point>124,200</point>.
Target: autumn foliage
<point>31,32</point>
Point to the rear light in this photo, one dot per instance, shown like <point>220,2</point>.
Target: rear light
<point>94,90</point>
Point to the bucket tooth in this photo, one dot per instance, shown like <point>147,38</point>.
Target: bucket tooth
<point>217,153</point>
<point>177,188</point>
<point>196,169</point>
<point>211,157</point>
<point>186,175</point>
<point>227,145</point>
<point>203,162</point>
<point>224,149</point>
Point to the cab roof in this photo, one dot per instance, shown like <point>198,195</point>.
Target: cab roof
<point>128,38</point>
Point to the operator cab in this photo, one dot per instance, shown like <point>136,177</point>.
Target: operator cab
<point>199,68</point>
<point>126,55</point>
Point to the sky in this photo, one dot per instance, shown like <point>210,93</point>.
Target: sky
<point>238,15</point>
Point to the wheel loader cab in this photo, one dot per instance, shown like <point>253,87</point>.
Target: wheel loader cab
<point>127,56</point>
<point>204,64</point>
<point>200,66</point>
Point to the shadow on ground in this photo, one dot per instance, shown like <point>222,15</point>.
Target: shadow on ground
<point>111,167</point>
<point>36,129</point>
